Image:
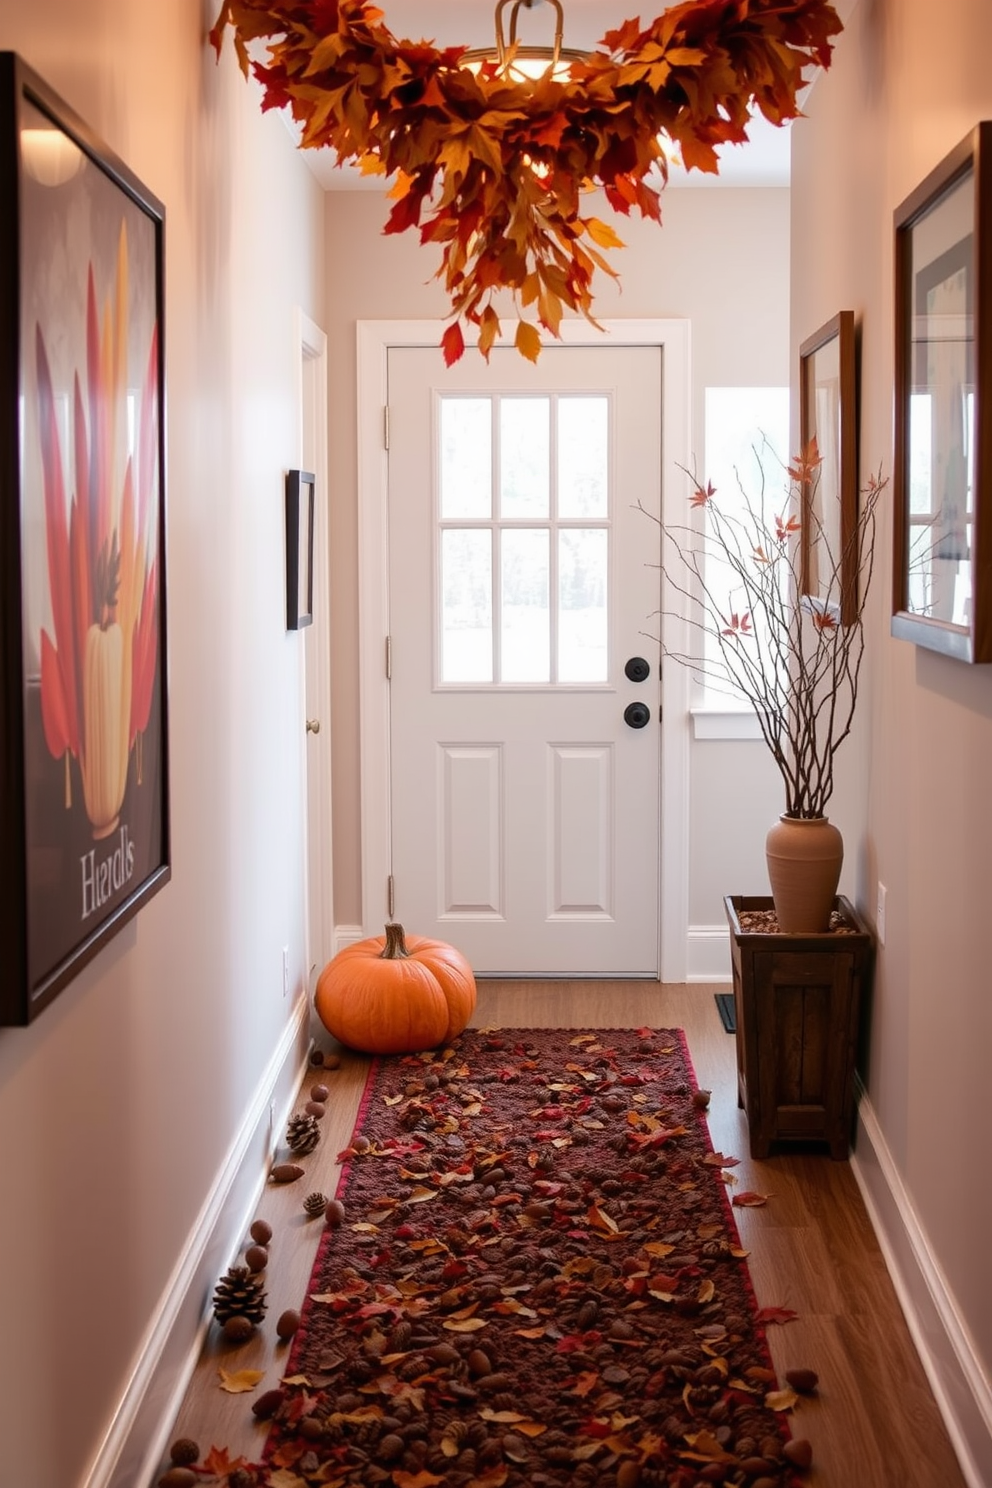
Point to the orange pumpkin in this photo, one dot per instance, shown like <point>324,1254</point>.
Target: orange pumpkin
<point>390,995</point>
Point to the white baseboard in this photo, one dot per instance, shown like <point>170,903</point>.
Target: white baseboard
<point>347,935</point>
<point>957,1376</point>
<point>137,1436</point>
<point>707,953</point>
<point>707,950</point>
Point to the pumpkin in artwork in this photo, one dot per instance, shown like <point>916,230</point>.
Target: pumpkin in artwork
<point>393,995</point>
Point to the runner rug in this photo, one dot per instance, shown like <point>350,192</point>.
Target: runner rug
<point>536,1280</point>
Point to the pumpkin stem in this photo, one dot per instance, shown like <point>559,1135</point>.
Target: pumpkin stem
<point>395,947</point>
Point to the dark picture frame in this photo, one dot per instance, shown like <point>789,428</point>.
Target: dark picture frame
<point>942,555</point>
<point>828,412</point>
<point>300,504</point>
<point>84,753</point>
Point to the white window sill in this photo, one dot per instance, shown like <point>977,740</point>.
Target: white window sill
<point>724,723</point>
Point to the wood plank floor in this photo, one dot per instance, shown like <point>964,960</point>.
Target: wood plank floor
<point>873,1424</point>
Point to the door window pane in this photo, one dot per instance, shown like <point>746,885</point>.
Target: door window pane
<point>583,449</point>
<point>466,458</point>
<point>466,605</point>
<point>525,612</point>
<point>582,593</point>
<point>525,457</point>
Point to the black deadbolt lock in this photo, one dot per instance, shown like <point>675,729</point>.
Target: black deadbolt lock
<point>636,715</point>
<point>637,669</point>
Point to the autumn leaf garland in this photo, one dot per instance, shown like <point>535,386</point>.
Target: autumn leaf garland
<point>494,171</point>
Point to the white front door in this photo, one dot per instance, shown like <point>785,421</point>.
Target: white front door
<point>524,806</point>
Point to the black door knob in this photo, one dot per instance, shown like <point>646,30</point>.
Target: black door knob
<point>637,669</point>
<point>636,715</point>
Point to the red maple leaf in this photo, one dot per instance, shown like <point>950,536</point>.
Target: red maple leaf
<point>775,1315</point>
<point>573,1342</point>
<point>597,1428</point>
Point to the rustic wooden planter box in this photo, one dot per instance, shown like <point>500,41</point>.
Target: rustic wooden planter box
<point>797,1000</point>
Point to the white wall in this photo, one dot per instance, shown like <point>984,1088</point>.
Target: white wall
<point>907,85</point>
<point>721,260</point>
<point>119,1106</point>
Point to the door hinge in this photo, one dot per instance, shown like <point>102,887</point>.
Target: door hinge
<point>385,426</point>
<point>390,897</point>
<point>389,658</point>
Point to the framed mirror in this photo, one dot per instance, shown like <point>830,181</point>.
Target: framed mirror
<point>829,515</point>
<point>943,442</point>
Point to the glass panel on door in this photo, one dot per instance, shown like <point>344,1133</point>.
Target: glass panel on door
<point>524,493</point>
<point>466,605</point>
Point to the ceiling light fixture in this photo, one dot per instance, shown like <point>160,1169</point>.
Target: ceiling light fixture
<point>525,63</point>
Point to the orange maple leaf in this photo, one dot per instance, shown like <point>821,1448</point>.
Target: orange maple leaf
<point>220,1463</point>
<point>806,463</point>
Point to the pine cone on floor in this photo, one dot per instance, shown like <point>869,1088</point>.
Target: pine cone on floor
<point>240,1293</point>
<point>314,1204</point>
<point>302,1134</point>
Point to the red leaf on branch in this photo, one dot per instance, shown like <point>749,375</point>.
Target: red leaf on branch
<point>701,496</point>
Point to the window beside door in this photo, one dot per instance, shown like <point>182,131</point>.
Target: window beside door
<point>746,458</point>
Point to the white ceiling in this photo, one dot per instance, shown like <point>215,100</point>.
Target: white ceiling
<point>763,161</point>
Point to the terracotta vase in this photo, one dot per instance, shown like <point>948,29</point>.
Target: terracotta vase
<point>804,857</point>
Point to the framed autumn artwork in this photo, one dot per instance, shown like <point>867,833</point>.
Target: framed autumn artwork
<point>84,779</point>
<point>300,493</point>
<point>942,561</point>
<point>829,514</point>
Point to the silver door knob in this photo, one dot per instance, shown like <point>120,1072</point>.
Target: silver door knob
<point>313,725</point>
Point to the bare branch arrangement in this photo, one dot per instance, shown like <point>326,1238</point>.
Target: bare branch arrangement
<point>789,656</point>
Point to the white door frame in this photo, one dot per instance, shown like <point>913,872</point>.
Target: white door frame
<point>375,337</point>
<point>315,655</point>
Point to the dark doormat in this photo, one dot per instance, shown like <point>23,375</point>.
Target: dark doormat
<point>725,1007</point>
